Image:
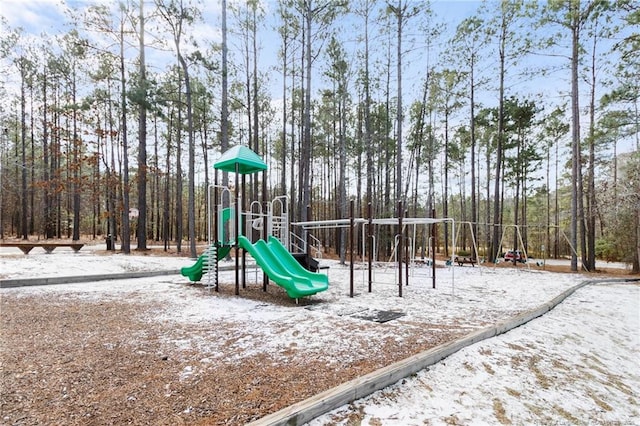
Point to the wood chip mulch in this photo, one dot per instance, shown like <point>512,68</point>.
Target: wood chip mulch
<point>80,361</point>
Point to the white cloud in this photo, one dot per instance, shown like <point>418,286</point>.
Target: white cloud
<point>35,16</point>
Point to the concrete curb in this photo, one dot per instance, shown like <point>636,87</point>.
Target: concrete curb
<point>309,409</point>
<point>26,282</point>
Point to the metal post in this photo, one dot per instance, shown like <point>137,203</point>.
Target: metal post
<point>216,237</point>
<point>433,248</point>
<point>266,223</point>
<point>399,248</point>
<point>247,230</point>
<point>370,240</point>
<point>305,233</point>
<point>3,138</point>
<point>406,263</point>
<point>351,227</point>
<point>237,228</point>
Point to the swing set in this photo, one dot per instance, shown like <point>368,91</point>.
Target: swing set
<point>518,253</point>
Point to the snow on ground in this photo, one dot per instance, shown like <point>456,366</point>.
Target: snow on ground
<point>577,364</point>
<point>64,262</point>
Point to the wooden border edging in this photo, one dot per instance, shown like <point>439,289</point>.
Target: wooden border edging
<point>75,279</point>
<point>307,410</point>
<point>360,387</point>
<point>26,282</point>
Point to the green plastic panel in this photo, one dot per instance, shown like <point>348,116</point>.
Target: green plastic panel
<point>278,271</point>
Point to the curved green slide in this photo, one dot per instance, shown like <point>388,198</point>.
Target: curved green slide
<point>292,264</point>
<point>195,272</point>
<point>278,264</point>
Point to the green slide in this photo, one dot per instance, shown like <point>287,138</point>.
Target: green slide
<point>195,272</point>
<point>290,262</point>
<point>277,265</point>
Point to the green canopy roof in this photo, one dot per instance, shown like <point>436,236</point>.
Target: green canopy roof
<point>247,161</point>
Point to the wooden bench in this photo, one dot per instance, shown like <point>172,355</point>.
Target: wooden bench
<point>48,247</point>
<point>462,260</point>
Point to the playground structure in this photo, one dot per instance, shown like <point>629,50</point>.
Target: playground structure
<point>405,246</point>
<point>229,227</point>
<point>268,221</point>
<point>265,232</point>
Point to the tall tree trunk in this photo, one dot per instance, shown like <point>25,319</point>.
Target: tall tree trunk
<point>488,228</point>
<point>126,229</point>
<point>112,186</point>
<point>166,222</point>
<point>472,128</point>
<point>77,163</point>
<point>400,18</point>
<point>548,206</point>
<point>256,139</point>
<point>516,197</point>
<point>32,163</point>
<point>155,196</point>
<point>191,148</point>
<point>388,155</point>
<point>249,105</point>
<point>48,220</point>
<point>142,141</point>
<point>497,205</point>
<point>292,151</point>
<point>305,154</point>
<point>224,107</point>
<point>23,140</point>
<point>591,189</point>
<point>368,139</point>
<point>55,163</point>
<point>343,170</point>
<point>178,200</point>
<point>556,208</point>
<point>445,198</point>
<point>207,178</point>
<point>576,196</point>
<point>283,154</point>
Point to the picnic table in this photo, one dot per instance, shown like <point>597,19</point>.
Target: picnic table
<point>462,260</point>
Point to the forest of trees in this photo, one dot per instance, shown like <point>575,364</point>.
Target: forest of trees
<point>519,113</point>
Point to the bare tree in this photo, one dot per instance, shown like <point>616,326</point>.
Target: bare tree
<point>468,43</point>
<point>402,13</point>
<point>572,15</point>
<point>317,18</point>
<point>511,46</point>
<point>177,16</point>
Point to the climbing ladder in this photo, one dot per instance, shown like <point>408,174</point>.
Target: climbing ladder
<point>279,220</point>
